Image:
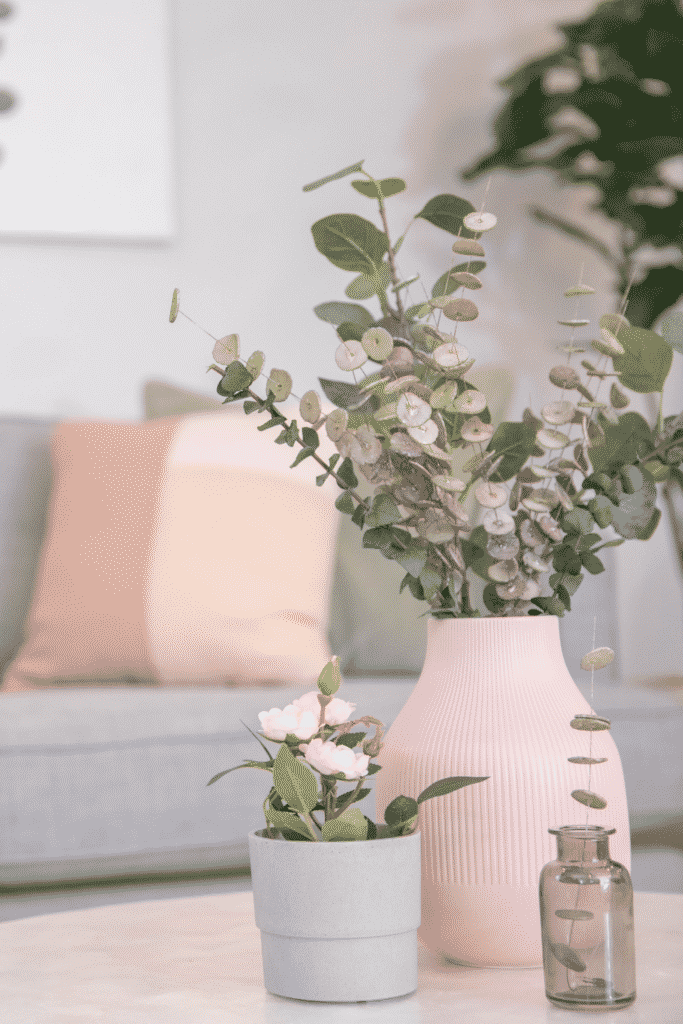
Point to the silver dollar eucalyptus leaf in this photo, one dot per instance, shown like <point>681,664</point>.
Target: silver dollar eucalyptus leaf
<point>568,957</point>
<point>588,799</point>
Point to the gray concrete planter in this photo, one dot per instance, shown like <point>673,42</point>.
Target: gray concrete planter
<point>339,920</point>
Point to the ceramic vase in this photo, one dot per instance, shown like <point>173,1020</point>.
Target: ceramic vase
<point>494,698</point>
<point>338,920</point>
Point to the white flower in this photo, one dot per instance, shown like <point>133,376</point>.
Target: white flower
<point>336,712</point>
<point>329,759</point>
<point>299,721</point>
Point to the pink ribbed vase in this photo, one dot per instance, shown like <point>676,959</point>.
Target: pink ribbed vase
<point>495,698</point>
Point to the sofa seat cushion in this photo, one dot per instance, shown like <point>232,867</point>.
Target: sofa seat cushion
<point>113,783</point>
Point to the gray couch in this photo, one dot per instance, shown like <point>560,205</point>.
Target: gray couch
<point>102,783</point>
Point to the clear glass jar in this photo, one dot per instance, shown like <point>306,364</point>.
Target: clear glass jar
<point>586,903</point>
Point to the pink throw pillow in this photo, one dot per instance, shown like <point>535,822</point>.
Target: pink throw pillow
<point>179,552</point>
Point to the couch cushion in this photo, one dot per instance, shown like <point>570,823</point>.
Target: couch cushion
<point>170,558</point>
<point>113,782</point>
<point>25,483</point>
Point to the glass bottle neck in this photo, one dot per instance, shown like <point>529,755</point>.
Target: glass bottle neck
<point>578,848</point>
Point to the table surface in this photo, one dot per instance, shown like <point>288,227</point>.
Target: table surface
<point>197,960</point>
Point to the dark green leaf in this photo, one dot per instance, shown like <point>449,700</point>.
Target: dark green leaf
<point>492,602</point>
<point>401,809</point>
<point>367,285</point>
<point>265,765</point>
<point>303,454</point>
<point>591,562</point>
<point>350,826</point>
<point>358,516</point>
<point>346,473</point>
<point>516,442</point>
<point>447,212</point>
<point>333,177</point>
<point>345,503</point>
<point>384,511</point>
<point>449,785</point>
<point>350,739</point>
<point>388,186</point>
<point>651,526</point>
<point>350,242</point>
<point>565,559</point>
<point>235,379</point>
<point>294,782</point>
<point>372,768</point>
<point>624,442</point>
<point>413,560</point>
<point>310,437</point>
<point>646,363</point>
<point>344,312</point>
<point>292,822</point>
<point>379,537</point>
<point>344,395</point>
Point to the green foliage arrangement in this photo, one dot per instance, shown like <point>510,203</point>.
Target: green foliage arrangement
<point>294,798</point>
<point>605,110</point>
<point>547,485</point>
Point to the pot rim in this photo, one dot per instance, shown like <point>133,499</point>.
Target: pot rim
<point>339,842</point>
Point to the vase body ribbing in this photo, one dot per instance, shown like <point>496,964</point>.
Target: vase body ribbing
<point>495,699</point>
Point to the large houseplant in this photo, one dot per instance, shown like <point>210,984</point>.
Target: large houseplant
<point>604,110</point>
<point>494,686</point>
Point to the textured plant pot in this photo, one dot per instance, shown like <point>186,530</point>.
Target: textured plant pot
<point>494,698</point>
<point>338,920</point>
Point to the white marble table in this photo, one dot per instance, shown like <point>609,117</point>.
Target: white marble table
<point>198,961</point>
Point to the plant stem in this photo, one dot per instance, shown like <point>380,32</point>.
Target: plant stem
<point>392,264</point>
<point>347,803</point>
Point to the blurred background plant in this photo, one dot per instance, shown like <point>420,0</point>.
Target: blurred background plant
<point>605,110</point>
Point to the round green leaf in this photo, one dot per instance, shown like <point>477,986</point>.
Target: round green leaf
<point>460,310</point>
<point>567,956</point>
<point>227,349</point>
<point>279,385</point>
<point>309,407</point>
<point>377,343</point>
<point>600,657</point>
<point>588,799</point>
<point>255,363</point>
<point>589,723</point>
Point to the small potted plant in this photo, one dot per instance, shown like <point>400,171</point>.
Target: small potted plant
<point>336,897</point>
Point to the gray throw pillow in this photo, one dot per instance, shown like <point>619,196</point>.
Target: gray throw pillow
<point>25,487</point>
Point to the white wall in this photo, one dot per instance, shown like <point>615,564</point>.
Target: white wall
<point>267,97</point>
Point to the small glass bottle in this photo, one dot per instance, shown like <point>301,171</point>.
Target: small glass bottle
<point>586,903</point>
